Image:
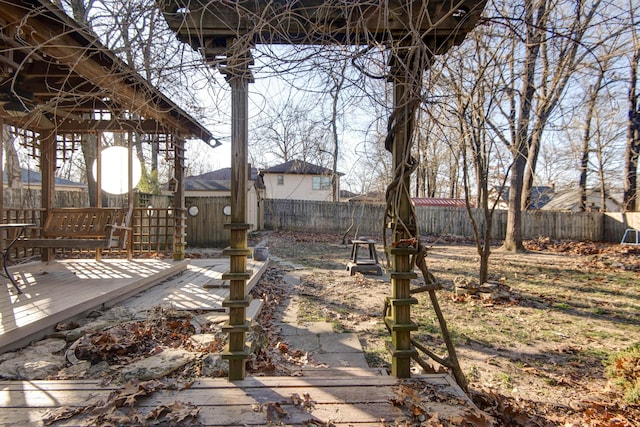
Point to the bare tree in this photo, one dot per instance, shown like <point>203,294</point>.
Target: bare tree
<point>538,76</point>
<point>600,80</point>
<point>631,199</point>
<point>12,161</point>
<point>471,77</point>
<point>287,130</point>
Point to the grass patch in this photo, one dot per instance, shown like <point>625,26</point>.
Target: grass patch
<point>505,380</point>
<point>310,310</point>
<point>623,368</point>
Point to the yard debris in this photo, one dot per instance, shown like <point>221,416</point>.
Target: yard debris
<point>273,411</point>
<point>426,404</point>
<point>305,402</point>
<point>272,355</point>
<point>601,255</point>
<point>165,336</point>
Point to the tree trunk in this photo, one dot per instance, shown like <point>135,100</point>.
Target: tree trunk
<point>586,139</point>
<point>630,199</point>
<point>519,149</point>
<point>513,238</point>
<point>12,162</point>
<point>90,154</point>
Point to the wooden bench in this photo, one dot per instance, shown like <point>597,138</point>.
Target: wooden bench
<point>82,228</point>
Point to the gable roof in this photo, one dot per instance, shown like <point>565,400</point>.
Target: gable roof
<point>223,174</point>
<point>540,195</point>
<point>34,177</point>
<point>218,180</point>
<point>569,200</point>
<point>206,185</point>
<point>299,167</point>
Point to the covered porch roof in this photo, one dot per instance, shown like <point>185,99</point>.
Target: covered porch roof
<point>61,89</point>
<point>56,76</point>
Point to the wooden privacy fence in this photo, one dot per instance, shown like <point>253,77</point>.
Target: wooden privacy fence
<point>366,219</point>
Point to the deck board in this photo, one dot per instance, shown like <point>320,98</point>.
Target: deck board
<point>364,401</point>
<point>59,290</point>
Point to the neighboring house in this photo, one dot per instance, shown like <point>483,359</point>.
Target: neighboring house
<point>218,184</point>
<point>346,195</point>
<point>33,180</point>
<point>441,202</point>
<point>569,201</point>
<point>298,180</point>
<point>67,194</point>
<point>540,196</point>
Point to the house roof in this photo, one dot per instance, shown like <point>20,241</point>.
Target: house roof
<point>370,197</point>
<point>299,167</point>
<point>540,195</point>
<point>218,180</point>
<point>223,174</point>
<point>569,200</point>
<point>346,194</point>
<point>439,202</point>
<point>34,177</point>
<point>206,185</point>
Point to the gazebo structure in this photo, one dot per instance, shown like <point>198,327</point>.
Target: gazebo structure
<point>411,31</point>
<point>61,89</point>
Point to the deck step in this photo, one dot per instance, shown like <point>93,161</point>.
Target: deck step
<point>254,309</point>
<point>344,400</point>
<point>343,372</point>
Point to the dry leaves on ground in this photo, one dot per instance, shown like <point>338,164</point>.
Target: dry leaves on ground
<point>119,409</point>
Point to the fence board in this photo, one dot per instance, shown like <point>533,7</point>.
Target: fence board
<point>329,217</point>
<point>207,228</point>
<point>614,224</point>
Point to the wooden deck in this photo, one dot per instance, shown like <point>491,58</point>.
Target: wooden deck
<point>348,400</point>
<point>56,291</point>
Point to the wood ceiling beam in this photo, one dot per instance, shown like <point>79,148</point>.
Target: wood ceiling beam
<point>38,29</point>
<point>322,22</point>
<point>143,126</point>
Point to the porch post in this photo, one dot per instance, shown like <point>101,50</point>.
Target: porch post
<point>48,170</point>
<point>2,136</point>
<point>179,208</point>
<point>239,76</point>
<point>405,82</point>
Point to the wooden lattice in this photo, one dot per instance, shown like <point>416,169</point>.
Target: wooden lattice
<point>165,142</point>
<point>66,144</point>
<point>28,139</point>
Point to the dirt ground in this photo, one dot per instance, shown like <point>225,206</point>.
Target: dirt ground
<point>534,352</point>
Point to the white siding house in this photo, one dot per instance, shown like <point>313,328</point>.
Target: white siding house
<point>298,180</point>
